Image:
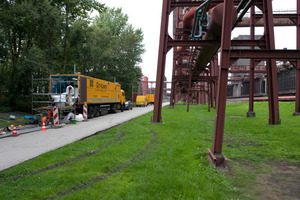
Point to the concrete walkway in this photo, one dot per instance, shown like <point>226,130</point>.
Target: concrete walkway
<point>14,150</point>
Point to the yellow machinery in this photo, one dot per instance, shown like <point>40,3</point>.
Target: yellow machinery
<point>150,98</point>
<point>75,89</point>
<point>141,101</point>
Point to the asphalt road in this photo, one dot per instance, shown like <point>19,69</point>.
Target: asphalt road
<point>15,150</point>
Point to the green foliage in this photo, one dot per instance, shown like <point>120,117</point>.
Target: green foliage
<point>117,48</point>
<point>42,37</point>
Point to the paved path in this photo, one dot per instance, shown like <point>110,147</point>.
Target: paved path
<point>14,150</point>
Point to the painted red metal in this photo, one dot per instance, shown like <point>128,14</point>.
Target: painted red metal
<point>271,64</point>
<point>173,91</point>
<point>279,20</point>
<point>213,33</point>
<point>297,101</point>
<point>163,49</point>
<point>200,84</point>
<point>251,112</point>
<point>187,43</point>
<point>265,54</point>
<point>216,158</point>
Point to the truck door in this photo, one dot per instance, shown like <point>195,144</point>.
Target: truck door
<point>83,89</point>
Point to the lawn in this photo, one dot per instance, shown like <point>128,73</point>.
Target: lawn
<point>138,160</point>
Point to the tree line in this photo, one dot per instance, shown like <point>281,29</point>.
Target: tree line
<point>43,37</point>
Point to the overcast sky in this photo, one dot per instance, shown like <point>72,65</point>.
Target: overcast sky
<point>147,16</point>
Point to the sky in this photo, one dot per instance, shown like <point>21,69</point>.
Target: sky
<point>147,16</point>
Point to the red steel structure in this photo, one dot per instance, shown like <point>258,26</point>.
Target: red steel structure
<point>198,76</point>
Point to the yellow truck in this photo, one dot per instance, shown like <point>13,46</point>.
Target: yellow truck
<point>141,101</point>
<point>150,98</point>
<point>74,90</point>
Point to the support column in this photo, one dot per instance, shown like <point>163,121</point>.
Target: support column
<point>271,64</point>
<point>215,157</point>
<point>189,91</point>
<point>216,71</point>
<point>163,50</point>
<point>251,113</point>
<point>297,101</point>
<point>172,97</point>
<point>173,91</point>
<point>212,84</point>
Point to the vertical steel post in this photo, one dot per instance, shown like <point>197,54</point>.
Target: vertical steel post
<point>215,157</point>
<point>297,101</point>
<point>271,64</point>
<point>172,98</point>
<point>251,113</point>
<point>189,91</point>
<point>208,93</point>
<point>216,71</point>
<point>163,50</point>
<point>212,84</point>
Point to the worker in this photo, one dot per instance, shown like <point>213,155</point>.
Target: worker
<point>70,92</point>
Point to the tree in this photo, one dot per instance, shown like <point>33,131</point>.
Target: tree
<point>30,33</point>
<point>72,10</point>
<point>116,49</point>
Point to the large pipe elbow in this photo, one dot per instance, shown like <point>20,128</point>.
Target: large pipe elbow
<point>214,32</point>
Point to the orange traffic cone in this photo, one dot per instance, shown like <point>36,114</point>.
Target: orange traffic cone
<point>15,131</point>
<point>43,127</point>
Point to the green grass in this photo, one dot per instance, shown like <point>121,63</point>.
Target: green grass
<point>138,160</point>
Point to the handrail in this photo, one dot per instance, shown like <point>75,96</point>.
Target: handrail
<point>196,19</point>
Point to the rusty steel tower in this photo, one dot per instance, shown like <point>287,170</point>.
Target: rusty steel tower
<point>202,29</point>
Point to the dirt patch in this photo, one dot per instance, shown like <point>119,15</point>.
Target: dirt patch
<point>233,143</point>
<point>282,183</point>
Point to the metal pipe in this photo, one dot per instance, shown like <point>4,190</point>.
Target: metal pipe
<point>213,33</point>
<point>187,23</point>
<point>204,5</point>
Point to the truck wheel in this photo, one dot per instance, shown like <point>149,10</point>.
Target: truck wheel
<point>91,112</point>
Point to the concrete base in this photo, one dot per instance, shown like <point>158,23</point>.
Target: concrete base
<point>171,107</point>
<point>218,161</point>
<point>296,113</point>
<point>251,114</point>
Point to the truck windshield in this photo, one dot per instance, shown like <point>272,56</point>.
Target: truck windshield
<point>60,83</point>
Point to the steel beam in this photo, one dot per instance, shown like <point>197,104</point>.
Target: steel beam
<point>271,64</point>
<point>297,100</point>
<point>266,54</point>
<point>251,112</point>
<point>172,98</point>
<point>195,78</point>
<point>163,50</point>
<point>185,3</point>
<point>175,43</point>
<point>215,157</point>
